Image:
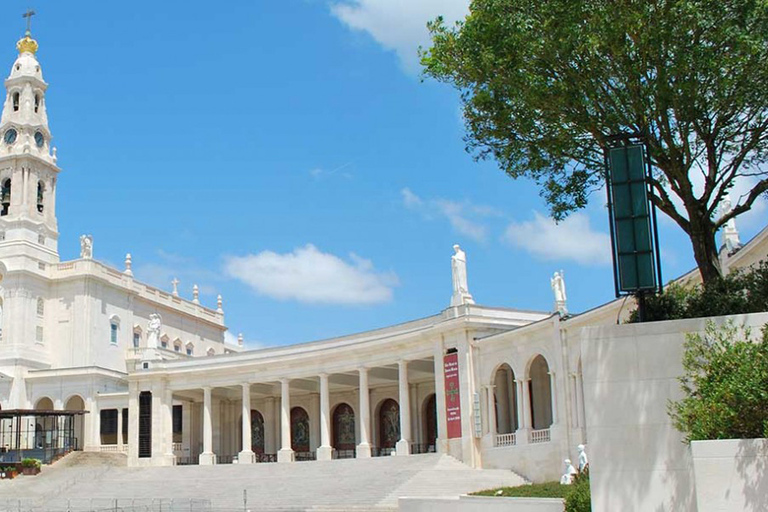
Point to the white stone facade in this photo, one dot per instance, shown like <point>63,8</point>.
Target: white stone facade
<point>76,335</point>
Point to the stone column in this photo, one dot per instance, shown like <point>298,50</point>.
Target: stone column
<point>120,429</point>
<point>523,405</point>
<point>403,446</point>
<point>553,396</point>
<point>442,421</point>
<point>169,459</point>
<point>491,413</point>
<point>364,448</point>
<point>286,453</point>
<point>246,455</point>
<point>133,423</point>
<point>325,451</point>
<point>207,458</point>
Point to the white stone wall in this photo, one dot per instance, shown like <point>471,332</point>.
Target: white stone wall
<point>638,461</point>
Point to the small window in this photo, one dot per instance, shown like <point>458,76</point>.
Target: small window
<point>177,347</point>
<point>40,195</point>
<point>113,327</point>
<point>41,239</point>
<point>15,102</point>
<point>136,339</point>
<point>40,307</point>
<point>164,341</point>
<point>37,103</point>
<point>39,334</point>
<point>211,352</point>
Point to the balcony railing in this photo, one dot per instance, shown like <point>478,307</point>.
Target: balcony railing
<point>177,447</point>
<point>540,436</point>
<point>505,440</point>
<point>115,448</point>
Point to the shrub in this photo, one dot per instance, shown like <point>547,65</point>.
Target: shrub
<point>725,383</point>
<point>741,291</point>
<point>30,463</point>
<point>579,498</point>
<point>544,490</point>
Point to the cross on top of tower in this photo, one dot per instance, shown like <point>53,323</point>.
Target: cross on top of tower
<point>29,15</point>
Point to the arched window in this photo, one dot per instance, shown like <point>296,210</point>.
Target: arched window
<point>114,328</point>
<point>37,103</point>
<point>40,196</point>
<point>16,101</point>
<point>211,352</point>
<point>541,394</point>
<point>389,424</point>
<point>257,432</point>
<point>136,336</point>
<point>505,400</point>
<point>344,427</point>
<point>190,349</point>
<point>299,430</point>
<point>5,196</point>
<point>40,306</point>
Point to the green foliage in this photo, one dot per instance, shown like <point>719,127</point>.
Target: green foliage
<point>545,490</point>
<point>741,291</point>
<point>545,83</point>
<point>579,497</point>
<point>30,463</point>
<point>725,384</point>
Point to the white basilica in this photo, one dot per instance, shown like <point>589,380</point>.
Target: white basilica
<point>134,369</point>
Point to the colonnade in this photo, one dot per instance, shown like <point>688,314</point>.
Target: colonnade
<point>162,404</point>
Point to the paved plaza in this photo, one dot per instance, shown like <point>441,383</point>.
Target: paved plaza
<point>91,481</point>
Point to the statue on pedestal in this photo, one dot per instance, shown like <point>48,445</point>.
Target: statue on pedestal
<point>461,293</point>
<point>730,235</point>
<point>153,330</point>
<point>558,289</point>
<point>86,247</point>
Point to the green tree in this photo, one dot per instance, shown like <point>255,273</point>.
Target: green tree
<point>545,83</point>
<point>725,383</point>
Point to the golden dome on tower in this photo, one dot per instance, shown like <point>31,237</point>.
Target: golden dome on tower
<point>26,44</point>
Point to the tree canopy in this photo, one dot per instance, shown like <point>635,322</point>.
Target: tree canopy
<point>546,83</point>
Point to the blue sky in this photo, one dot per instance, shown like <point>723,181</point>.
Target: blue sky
<point>287,155</point>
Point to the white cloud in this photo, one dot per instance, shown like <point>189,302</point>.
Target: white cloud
<point>311,276</point>
<point>572,239</point>
<point>461,215</point>
<point>319,173</point>
<point>399,25</point>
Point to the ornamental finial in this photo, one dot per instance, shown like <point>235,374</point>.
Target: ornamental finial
<point>26,44</point>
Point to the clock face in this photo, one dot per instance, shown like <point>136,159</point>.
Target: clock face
<point>39,139</point>
<point>10,136</point>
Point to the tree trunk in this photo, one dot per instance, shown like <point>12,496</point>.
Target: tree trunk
<point>702,235</point>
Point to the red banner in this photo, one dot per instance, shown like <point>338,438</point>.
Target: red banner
<point>452,398</point>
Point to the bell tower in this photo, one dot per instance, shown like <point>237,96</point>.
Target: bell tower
<point>28,170</point>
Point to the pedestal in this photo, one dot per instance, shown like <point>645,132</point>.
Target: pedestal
<point>285,455</point>
<point>403,447</point>
<point>324,453</point>
<point>246,457</point>
<point>207,459</point>
<point>363,451</point>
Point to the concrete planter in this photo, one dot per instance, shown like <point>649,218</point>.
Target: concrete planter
<point>466,503</point>
<point>731,474</point>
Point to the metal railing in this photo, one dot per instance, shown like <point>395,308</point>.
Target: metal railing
<point>505,440</point>
<point>381,452</point>
<point>302,456</point>
<point>419,448</point>
<point>345,454</point>
<point>540,436</point>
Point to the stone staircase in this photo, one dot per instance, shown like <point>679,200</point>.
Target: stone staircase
<point>340,485</point>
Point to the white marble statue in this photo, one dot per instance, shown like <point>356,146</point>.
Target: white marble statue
<point>461,293</point>
<point>569,473</point>
<point>558,289</point>
<point>730,234</point>
<point>583,460</point>
<point>86,247</point>
<point>153,330</point>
